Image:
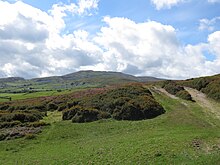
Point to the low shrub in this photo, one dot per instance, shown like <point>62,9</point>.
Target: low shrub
<point>41,108</point>
<point>62,107</point>
<point>85,115</point>
<point>173,88</point>
<point>3,136</point>
<point>9,124</point>
<point>4,107</point>
<point>104,115</point>
<point>71,104</point>
<point>22,116</point>
<point>70,113</point>
<point>183,94</point>
<point>38,124</point>
<point>124,103</point>
<point>213,90</point>
<point>149,107</point>
<point>128,111</point>
<point>52,107</point>
<point>197,83</point>
<point>208,85</point>
<point>177,90</point>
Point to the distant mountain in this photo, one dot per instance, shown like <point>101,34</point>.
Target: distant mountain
<point>97,77</point>
<point>11,79</point>
<point>78,79</point>
<point>97,74</point>
<point>104,74</point>
<point>148,79</point>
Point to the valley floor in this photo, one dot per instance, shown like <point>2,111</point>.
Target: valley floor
<point>185,134</point>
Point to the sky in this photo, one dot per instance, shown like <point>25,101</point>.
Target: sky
<point>175,39</point>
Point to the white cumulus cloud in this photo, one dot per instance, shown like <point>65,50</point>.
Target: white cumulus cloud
<point>151,48</point>
<point>208,24</point>
<point>86,5</point>
<point>32,43</point>
<point>214,42</point>
<point>165,4</point>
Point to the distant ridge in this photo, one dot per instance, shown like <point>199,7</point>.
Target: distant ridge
<point>85,74</point>
<point>89,75</point>
<point>11,79</point>
<point>81,79</point>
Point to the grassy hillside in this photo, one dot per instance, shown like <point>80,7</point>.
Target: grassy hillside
<point>130,102</point>
<point>188,133</point>
<point>185,134</point>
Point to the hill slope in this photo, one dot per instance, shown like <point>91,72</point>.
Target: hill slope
<point>209,85</point>
<point>185,134</point>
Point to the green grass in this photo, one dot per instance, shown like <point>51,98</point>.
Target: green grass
<point>19,96</point>
<point>167,139</point>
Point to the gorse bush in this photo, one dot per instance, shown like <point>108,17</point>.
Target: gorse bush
<point>177,90</point>
<point>70,113</point>
<point>22,116</point>
<point>173,88</point>
<point>62,107</point>
<point>81,114</point>
<point>198,83</point>
<point>85,115</point>
<point>41,107</point>
<point>183,94</point>
<point>208,85</point>
<point>125,103</point>
<point>51,103</point>
<point>4,107</point>
<point>104,115</point>
<point>52,107</point>
<point>9,124</point>
<point>131,102</point>
<point>37,124</point>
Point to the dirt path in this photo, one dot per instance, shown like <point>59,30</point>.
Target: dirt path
<point>203,101</point>
<point>161,90</point>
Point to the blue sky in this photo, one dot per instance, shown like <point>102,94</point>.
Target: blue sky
<point>184,17</point>
<point>110,35</point>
